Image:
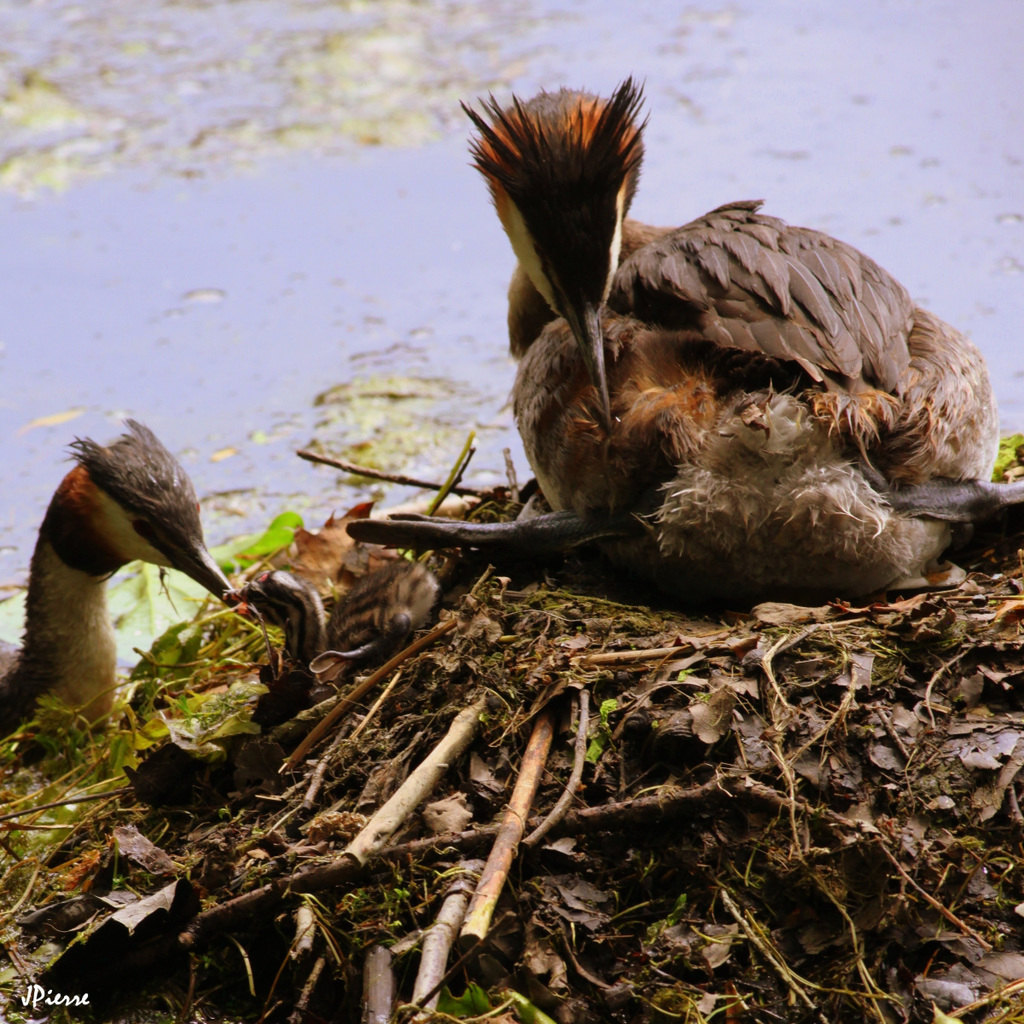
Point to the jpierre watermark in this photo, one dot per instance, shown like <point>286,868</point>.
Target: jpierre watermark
<point>37,996</point>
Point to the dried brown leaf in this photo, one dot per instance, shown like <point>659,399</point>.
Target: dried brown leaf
<point>134,846</point>
<point>452,814</point>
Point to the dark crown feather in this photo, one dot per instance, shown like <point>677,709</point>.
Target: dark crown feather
<point>561,140</point>
<point>142,476</point>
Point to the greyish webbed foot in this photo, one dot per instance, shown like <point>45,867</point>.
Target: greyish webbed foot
<point>551,533</point>
<point>955,501</point>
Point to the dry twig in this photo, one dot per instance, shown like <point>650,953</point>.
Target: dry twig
<point>481,909</point>
<point>317,779</point>
<point>440,938</point>
<point>419,785</point>
<point>379,474</point>
<point>510,473</point>
<point>378,986</point>
<point>773,700</point>
<point>299,1015</point>
<point>561,808</point>
<point>883,717</point>
<point>349,864</point>
<point>67,800</point>
<point>630,657</point>
<point>793,981</point>
<point>305,931</point>
<point>936,676</point>
<point>934,903</point>
<point>352,699</point>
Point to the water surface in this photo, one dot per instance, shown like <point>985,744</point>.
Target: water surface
<point>214,213</point>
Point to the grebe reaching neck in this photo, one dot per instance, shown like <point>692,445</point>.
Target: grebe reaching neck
<point>130,500</point>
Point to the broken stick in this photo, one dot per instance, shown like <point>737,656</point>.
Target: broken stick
<point>492,881</point>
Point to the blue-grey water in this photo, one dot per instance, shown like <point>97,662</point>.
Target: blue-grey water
<point>212,213</point>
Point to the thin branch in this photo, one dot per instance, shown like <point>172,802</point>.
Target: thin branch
<point>346,869</point>
<point>418,786</point>
<point>794,981</point>
<point>26,892</point>
<point>377,705</point>
<point>440,937</point>
<point>379,474</point>
<point>317,779</point>
<point>352,699</point>
<point>887,724</point>
<point>378,986</point>
<point>999,995</point>
<point>492,881</point>
<point>559,811</point>
<point>638,813</point>
<point>630,657</point>
<point>936,675</point>
<point>838,715</point>
<point>123,791</point>
<point>299,1015</point>
<point>779,726</point>
<point>934,903</point>
<point>349,865</point>
<point>629,814</point>
<point>510,472</point>
<point>305,932</point>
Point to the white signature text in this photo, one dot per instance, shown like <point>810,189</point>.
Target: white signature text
<point>37,995</point>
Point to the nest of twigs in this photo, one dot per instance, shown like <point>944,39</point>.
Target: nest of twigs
<point>553,803</point>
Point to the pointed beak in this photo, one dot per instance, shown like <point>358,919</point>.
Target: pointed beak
<point>200,566</point>
<point>587,331</point>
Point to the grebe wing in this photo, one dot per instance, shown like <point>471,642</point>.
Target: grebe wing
<point>752,282</point>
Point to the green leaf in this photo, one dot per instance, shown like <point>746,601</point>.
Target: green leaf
<point>677,911</point>
<point>178,645</point>
<point>472,1003</point>
<point>525,1010</point>
<point>607,707</point>
<point>236,554</point>
<point>211,721</point>
<point>146,733</point>
<point>144,606</point>
<point>604,731</point>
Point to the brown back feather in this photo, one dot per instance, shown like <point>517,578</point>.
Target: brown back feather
<point>752,282</point>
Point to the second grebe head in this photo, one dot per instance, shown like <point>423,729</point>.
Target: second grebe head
<point>562,170</point>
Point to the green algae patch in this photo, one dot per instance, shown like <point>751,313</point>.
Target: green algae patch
<point>1010,458</point>
<point>88,89</point>
<point>39,105</point>
<point>389,422</point>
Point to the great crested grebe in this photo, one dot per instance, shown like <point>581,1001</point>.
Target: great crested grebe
<point>735,407</point>
<point>130,500</point>
<point>371,620</point>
